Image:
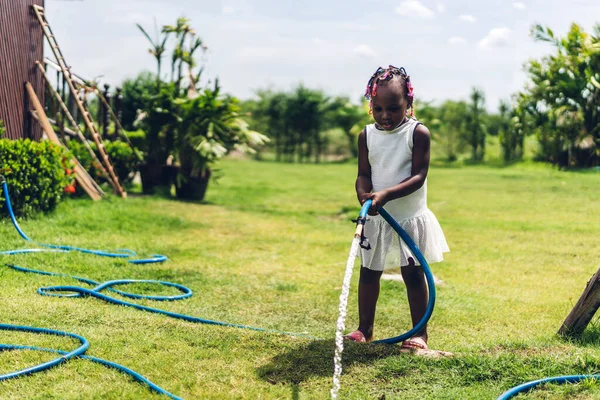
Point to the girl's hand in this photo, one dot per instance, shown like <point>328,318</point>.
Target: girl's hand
<point>364,197</point>
<point>379,199</point>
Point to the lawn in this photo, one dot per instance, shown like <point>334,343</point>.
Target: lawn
<point>268,248</point>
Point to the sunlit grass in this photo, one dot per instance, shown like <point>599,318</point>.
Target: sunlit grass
<point>268,248</point>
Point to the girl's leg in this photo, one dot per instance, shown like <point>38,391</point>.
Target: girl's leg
<point>416,289</point>
<point>368,293</point>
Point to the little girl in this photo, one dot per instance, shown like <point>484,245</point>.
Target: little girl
<point>393,160</point>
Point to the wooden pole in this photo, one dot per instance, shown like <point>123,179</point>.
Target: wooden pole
<point>583,312</point>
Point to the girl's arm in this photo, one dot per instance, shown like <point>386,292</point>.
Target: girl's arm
<point>420,167</point>
<point>363,180</point>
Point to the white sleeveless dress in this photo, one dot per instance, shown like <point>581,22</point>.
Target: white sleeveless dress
<point>390,157</point>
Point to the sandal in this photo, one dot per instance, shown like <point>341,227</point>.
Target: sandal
<point>356,336</point>
<point>415,343</point>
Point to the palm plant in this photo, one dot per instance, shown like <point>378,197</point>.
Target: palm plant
<point>182,29</point>
<point>157,48</point>
<point>566,86</point>
<point>195,127</point>
<point>209,128</point>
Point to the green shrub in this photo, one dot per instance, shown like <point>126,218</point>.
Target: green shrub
<point>2,130</point>
<point>121,156</point>
<point>123,160</point>
<point>37,174</point>
<point>138,139</point>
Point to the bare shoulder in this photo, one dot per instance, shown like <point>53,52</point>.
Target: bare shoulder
<point>421,132</point>
<point>363,133</point>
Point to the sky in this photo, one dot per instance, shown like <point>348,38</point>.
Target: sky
<point>446,46</point>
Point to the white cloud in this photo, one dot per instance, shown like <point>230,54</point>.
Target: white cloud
<point>228,10</point>
<point>497,37</point>
<point>455,40</point>
<point>468,18</point>
<point>364,50</point>
<point>317,40</point>
<point>519,6</point>
<point>441,7</point>
<point>414,7</point>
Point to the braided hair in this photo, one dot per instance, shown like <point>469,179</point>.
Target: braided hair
<point>383,75</point>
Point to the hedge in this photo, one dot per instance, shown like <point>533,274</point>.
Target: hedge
<point>37,174</point>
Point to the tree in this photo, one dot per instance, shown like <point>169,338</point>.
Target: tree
<point>509,132</point>
<point>295,122</point>
<point>565,88</point>
<point>136,91</point>
<point>305,113</point>
<point>350,118</point>
<point>268,112</point>
<point>452,128</point>
<point>475,124</point>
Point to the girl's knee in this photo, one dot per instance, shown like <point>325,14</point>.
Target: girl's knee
<point>412,275</point>
<point>368,276</point>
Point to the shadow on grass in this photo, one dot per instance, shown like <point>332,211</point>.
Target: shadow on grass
<point>316,359</point>
<point>500,368</point>
<point>589,337</point>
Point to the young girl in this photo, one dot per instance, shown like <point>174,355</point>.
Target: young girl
<point>393,160</point>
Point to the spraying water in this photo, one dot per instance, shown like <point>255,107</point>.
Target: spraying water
<point>358,241</point>
<point>339,338</point>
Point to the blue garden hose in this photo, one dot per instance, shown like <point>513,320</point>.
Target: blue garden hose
<point>77,291</point>
<point>525,387</point>
<point>186,292</point>
<point>121,254</point>
<point>75,353</point>
<point>58,291</point>
<point>426,270</point>
<point>25,251</point>
<point>81,292</point>
<point>65,356</point>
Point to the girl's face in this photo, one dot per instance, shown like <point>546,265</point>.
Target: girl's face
<point>390,105</point>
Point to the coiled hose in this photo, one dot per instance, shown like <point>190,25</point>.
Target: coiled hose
<point>124,253</point>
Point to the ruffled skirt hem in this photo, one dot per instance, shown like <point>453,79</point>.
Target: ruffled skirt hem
<point>389,251</point>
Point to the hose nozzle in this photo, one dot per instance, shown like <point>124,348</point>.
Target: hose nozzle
<point>360,224</point>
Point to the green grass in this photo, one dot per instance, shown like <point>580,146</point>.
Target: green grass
<point>268,248</point>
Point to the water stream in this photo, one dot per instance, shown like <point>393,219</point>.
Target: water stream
<point>339,334</point>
